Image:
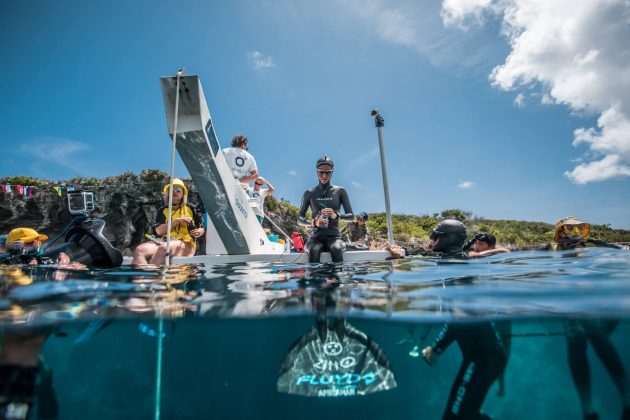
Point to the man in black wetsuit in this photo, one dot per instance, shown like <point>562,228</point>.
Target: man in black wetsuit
<point>325,201</point>
<point>484,356</point>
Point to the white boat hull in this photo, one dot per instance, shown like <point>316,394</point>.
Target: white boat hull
<point>286,258</point>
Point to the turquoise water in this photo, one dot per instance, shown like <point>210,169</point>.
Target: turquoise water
<point>227,330</point>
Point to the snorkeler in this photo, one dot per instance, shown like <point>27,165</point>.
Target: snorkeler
<point>571,233</point>
<point>325,201</point>
<point>484,356</point>
<point>483,244</point>
<point>22,247</point>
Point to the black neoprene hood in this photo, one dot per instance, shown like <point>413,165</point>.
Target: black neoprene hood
<point>325,160</point>
<point>450,235</point>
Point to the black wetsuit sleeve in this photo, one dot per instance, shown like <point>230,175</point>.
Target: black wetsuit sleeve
<point>603,244</point>
<point>344,201</point>
<point>160,219</point>
<point>306,201</point>
<point>443,340</point>
<point>197,216</point>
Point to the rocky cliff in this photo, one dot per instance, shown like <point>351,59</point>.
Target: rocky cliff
<point>128,203</point>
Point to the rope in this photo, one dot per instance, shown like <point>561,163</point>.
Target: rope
<point>170,188</point>
<point>158,370</point>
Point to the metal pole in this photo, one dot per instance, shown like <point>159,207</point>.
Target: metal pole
<point>180,73</point>
<point>379,122</point>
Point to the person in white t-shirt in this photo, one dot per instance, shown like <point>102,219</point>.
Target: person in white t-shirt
<point>259,194</point>
<point>241,162</point>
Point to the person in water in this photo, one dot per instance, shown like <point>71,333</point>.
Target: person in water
<point>186,228</point>
<point>325,201</point>
<point>259,193</point>
<point>356,234</point>
<point>571,233</point>
<point>484,244</point>
<point>484,356</point>
<point>241,162</point>
<point>23,245</point>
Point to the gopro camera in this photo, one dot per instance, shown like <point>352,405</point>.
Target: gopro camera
<point>80,202</point>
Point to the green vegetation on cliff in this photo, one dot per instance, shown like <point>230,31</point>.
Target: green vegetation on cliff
<point>147,186</point>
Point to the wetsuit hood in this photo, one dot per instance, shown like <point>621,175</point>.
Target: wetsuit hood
<point>449,236</point>
<point>325,160</point>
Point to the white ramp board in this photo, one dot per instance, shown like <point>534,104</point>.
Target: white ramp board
<point>233,228</point>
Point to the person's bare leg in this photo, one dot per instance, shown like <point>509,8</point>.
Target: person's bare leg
<point>160,255</point>
<point>183,249</point>
<point>143,253</point>
<point>22,348</point>
<point>178,249</point>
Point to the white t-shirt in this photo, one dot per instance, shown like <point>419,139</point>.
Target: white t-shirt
<point>260,196</point>
<point>240,161</point>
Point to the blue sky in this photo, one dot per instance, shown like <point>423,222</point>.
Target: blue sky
<point>81,97</point>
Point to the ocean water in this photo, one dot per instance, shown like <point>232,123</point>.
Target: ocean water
<point>245,341</point>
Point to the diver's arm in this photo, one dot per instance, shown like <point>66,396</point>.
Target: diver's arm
<point>443,340</point>
<point>604,244</point>
<point>488,252</point>
<point>344,201</point>
<point>306,202</point>
<point>253,176</point>
<point>270,188</point>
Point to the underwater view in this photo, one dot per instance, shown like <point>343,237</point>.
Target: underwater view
<point>241,341</point>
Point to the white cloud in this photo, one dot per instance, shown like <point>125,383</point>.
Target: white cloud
<point>416,24</point>
<point>519,101</point>
<point>357,185</point>
<point>260,61</point>
<point>364,159</point>
<point>466,185</point>
<point>292,172</point>
<point>576,54</point>
<point>464,13</point>
<point>608,167</point>
<point>57,150</point>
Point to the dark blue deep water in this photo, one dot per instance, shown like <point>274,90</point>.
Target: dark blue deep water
<point>225,333</point>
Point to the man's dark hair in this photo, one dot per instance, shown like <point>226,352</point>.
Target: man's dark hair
<point>239,140</point>
<point>488,238</point>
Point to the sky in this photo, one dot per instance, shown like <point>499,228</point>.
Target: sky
<point>509,109</point>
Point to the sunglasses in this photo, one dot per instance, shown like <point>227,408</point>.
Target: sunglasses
<point>257,183</point>
<point>323,172</point>
<point>178,190</point>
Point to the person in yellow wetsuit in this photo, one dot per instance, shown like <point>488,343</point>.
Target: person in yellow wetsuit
<point>186,228</point>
